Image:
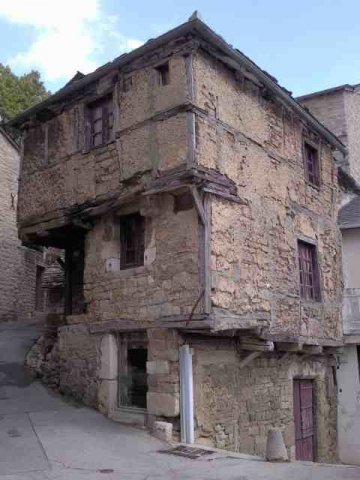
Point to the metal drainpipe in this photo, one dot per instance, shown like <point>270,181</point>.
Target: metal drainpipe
<point>186,395</point>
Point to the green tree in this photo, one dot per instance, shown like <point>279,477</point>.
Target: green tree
<point>17,93</point>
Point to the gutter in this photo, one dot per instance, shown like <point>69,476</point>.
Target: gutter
<point>206,33</point>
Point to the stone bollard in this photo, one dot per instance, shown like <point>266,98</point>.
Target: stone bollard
<point>275,447</point>
<point>163,431</point>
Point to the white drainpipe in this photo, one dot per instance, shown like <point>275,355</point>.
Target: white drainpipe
<point>186,395</point>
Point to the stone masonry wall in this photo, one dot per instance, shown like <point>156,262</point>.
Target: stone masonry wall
<point>18,263</point>
<point>254,262</point>
<point>235,407</point>
<point>167,284</point>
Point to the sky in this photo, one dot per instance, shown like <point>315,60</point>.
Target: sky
<point>307,45</point>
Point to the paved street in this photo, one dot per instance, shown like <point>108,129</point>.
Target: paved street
<point>44,437</point>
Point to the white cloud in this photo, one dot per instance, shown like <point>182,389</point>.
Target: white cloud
<point>69,35</point>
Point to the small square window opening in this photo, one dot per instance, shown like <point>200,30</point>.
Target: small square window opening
<point>163,74</point>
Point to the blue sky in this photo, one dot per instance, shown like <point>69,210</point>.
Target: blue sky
<point>308,45</point>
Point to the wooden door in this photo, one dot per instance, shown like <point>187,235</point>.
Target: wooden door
<point>304,419</point>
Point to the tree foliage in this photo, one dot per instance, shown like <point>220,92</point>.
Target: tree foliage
<point>17,93</point>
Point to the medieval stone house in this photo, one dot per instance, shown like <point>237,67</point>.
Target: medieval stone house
<point>339,109</point>
<point>197,204</point>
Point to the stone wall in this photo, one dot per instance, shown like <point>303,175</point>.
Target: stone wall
<point>235,407</point>
<point>18,263</point>
<point>167,284</point>
<point>254,263</point>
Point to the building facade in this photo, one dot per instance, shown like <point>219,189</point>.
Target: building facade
<point>197,202</point>
<point>339,109</point>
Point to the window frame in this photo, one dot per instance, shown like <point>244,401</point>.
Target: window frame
<point>163,74</point>
<point>310,291</point>
<point>138,247</point>
<point>107,114</point>
<point>315,147</point>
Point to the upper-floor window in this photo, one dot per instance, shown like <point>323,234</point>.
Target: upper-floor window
<point>312,164</point>
<point>101,121</point>
<point>132,239</point>
<point>163,73</point>
<point>309,272</point>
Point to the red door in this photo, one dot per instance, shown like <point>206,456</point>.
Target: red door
<point>304,419</point>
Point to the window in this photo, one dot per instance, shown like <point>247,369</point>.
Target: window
<point>309,272</point>
<point>163,74</point>
<point>101,122</point>
<point>132,233</point>
<point>311,161</point>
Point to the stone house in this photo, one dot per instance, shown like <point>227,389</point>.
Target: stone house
<point>21,269</point>
<point>196,201</point>
<point>339,109</point>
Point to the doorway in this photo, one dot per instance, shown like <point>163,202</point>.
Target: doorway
<point>304,419</point>
<point>133,356</point>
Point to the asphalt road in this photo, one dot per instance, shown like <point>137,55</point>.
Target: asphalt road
<point>44,437</point>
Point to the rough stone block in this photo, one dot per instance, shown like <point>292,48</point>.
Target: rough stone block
<point>163,431</point>
<point>163,404</point>
<point>158,367</point>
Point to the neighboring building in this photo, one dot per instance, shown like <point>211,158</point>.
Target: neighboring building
<point>197,203</point>
<point>21,267</point>
<point>339,109</point>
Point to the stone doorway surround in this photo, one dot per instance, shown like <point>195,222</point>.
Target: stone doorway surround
<point>109,385</point>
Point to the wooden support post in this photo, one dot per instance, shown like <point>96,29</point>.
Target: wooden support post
<point>249,358</point>
<point>198,203</point>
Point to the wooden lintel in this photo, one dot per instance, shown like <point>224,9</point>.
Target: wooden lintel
<point>288,347</point>
<point>198,203</point>
<point>249,358</point>
<point>121,325</point>
<point>77,222</point>
<point>333,350</point>
<point>253,344</point>
<point>312,349</point>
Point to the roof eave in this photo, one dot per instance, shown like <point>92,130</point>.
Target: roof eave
<point>205,32</point>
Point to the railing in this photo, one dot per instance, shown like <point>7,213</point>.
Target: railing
<point>351,311</point>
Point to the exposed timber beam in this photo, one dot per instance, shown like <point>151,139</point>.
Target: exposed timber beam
<point>249,358</point>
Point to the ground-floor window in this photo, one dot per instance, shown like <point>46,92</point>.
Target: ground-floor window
<point>304,419</point>
<point>132,370</point>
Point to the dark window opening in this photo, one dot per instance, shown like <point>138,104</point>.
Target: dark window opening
<point>163,74</point>
<point>312,167</point>
<point>101,122</point>
<point>183,201</point>
<point>39,291</point>
<point>309,272</point>
<point>133,384</point>
<point>132,237</point>
<point>358,358</point>
<point>128,84</point>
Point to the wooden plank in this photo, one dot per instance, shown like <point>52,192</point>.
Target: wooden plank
<point>312,349</point>
<point>207,254</point>
<point>198,204</point>
<point>249,358</point>
<point>288,347</point>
